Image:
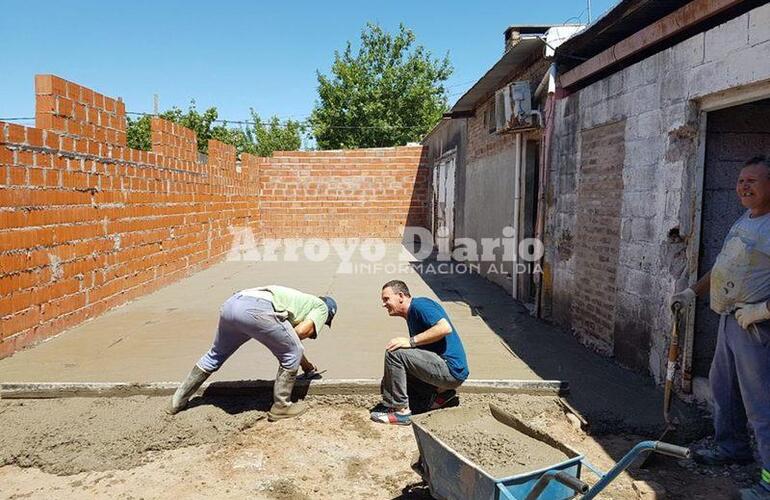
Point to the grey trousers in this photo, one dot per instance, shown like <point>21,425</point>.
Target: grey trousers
<point>419,364</point>
<point>243,318</point>
<point>740,386</point>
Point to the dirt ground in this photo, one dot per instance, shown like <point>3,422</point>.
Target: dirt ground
<point>129,448</point>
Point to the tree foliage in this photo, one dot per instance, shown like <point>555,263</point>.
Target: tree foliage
<point>260,137</point>
<point>388,93</point>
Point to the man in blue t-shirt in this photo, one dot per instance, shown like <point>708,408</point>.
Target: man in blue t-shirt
<point>433,354</point>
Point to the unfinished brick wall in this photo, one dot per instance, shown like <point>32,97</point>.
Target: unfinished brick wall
<point>344,193</point>
<point>87,224</point>
<point>597,234</point>
<point>77,111</point>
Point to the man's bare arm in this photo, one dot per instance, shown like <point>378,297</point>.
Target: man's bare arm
<point>305,329</point>
<point>432,334</point>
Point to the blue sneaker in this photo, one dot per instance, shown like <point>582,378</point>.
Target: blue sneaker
<point>392,416</point>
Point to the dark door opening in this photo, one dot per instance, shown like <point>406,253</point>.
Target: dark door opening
<point>733,135</point>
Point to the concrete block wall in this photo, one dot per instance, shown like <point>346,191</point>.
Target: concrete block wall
<point>658,99</point>
<point>87,224</point>
<point>344,193</point>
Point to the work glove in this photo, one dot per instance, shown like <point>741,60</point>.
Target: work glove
<point>748,314</point>
<point>683,298</point>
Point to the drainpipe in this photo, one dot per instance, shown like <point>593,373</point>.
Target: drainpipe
<point>542,189</point>
<point>516,203</point>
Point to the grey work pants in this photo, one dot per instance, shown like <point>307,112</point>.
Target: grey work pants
<point>740,386</point>
<point>242,318</point>
<point>422,365</point>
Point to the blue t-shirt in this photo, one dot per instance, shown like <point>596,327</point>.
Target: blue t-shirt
<point>424,313</point>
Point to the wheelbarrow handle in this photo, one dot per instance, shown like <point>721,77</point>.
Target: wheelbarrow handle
<point>672,450</point>
<point>623,463</point>
<point>571,482</point>
<point>564,478</point>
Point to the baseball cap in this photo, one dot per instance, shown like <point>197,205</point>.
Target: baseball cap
<point>331,305</point>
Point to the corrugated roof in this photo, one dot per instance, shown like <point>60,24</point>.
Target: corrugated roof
<point>627,18</point>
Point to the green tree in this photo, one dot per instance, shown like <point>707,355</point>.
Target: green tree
<point>259,138</point>
<point>138,134</point>
<point>388,93</point>
<point>274,135</point>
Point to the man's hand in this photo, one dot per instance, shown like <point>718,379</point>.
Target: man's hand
<point>311,374</point>
<point>306,365</point>
<point>398,343</point>
<point>748,314</point>
<point>683,298</point>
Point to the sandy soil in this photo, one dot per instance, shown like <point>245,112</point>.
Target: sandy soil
<point>129,448</point>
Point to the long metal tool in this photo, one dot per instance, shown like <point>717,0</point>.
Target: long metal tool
<point>673,359</point>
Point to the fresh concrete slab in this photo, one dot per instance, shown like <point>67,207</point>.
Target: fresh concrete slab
<point>159,337</point>
<point>258,388</point>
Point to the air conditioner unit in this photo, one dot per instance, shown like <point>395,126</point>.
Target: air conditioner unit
<point>513,108</point>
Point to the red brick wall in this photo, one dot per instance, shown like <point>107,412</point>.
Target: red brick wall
<point>75,110</point>
<point>344,193</point>
<point>87,224</point>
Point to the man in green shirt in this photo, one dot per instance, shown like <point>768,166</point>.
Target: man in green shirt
<point>276,316</point>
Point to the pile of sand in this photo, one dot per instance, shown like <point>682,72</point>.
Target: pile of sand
<point>68,436</point>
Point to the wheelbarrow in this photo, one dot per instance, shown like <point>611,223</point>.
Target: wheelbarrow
<point>450,475</point>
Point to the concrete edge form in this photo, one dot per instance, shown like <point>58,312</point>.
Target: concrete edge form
<point>48,390</point>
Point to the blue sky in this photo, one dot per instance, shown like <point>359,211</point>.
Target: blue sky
<point>237,55</point>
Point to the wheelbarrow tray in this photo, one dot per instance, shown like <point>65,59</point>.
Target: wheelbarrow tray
<point>450,475</point>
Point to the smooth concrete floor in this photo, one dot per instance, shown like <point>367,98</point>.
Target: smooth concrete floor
<point>158,338</point>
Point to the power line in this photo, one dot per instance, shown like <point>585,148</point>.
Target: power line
<point>246,122</point>
<point>459,84</point>
<point>305,121</point>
